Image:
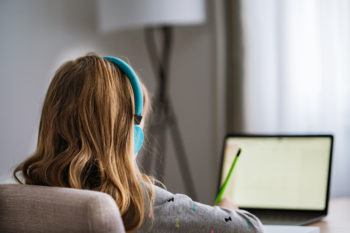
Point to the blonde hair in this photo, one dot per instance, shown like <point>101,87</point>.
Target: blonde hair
<point>85,138</point>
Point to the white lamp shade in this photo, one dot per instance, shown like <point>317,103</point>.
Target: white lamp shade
<point>122,14</point>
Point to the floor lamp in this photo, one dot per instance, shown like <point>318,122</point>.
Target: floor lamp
<point>157,17</point>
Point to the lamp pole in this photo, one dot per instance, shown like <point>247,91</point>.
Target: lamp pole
<point>163,118</point>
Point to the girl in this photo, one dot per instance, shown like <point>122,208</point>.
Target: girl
<point>90,131</point>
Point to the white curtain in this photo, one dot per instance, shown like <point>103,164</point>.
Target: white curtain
<point>297,73</point>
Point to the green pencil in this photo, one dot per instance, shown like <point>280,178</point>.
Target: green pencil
<point>227,179</point>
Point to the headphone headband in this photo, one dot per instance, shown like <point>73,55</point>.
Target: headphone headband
<point>135,83</point>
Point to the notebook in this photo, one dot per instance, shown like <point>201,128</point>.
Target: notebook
<point>290,229</point>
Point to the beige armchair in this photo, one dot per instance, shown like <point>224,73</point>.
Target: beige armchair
<point>30,208</point>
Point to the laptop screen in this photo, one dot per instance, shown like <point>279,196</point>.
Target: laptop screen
<point>278,172</point>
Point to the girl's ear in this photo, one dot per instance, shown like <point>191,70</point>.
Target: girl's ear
<point>142,124</point>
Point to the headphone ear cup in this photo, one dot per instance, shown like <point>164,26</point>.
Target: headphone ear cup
<point>138,139</point>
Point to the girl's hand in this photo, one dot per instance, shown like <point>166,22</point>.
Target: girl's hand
<point>227,204</point>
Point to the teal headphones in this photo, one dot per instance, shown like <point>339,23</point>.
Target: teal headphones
<point>138,98</point>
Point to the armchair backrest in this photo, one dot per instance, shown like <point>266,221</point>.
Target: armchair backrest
<point>32,208</point>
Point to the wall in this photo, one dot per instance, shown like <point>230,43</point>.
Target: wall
<point>36,36</point>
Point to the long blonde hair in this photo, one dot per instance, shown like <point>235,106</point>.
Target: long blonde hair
<point>85,138</point>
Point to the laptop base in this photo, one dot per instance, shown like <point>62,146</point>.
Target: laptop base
<point>289,219</point>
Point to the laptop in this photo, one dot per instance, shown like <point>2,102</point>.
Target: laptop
<point>282,179</point>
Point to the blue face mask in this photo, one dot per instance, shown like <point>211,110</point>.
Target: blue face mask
<point>138,99</point>
<point>138,139</point>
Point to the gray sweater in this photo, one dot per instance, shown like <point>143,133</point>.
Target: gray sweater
<point>178,213</point>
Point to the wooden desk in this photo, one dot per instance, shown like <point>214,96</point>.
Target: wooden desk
<point>338,218</point>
